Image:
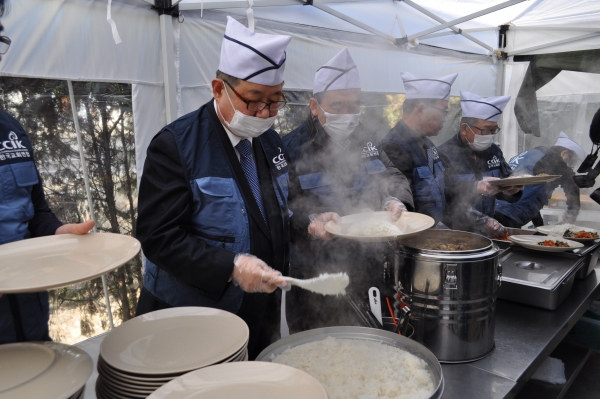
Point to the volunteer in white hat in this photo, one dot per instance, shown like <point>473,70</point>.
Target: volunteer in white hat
<point>410,149</point>
<point>560,159</point>
<point>213,217</point>
<point>337,168</point>
<point>473,160</point>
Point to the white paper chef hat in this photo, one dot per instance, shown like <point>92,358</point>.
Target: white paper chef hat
<point>486,108</point>
<point>254,57</point>
<point>565,141</point>
<point>435,88</point>
<point>339,73</point>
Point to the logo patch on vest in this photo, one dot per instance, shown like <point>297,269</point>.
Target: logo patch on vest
<point>13,148</point>
<point>514,162</point>
<point>279,161</point>
<point>493,163</point>
<point>370,151</point>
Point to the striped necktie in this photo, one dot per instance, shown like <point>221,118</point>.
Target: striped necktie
<point>249,167</point>
<point>430,156</point>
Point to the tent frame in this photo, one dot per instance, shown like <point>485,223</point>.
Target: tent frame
<point>172,8</point>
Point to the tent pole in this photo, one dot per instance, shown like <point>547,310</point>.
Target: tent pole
<point>564,41</point>
<point>500,78</point>
<point>443,21</point>
<point>469,17</point>
<point>88,191</point>
<point>168,64</point>
<point>319,4</point>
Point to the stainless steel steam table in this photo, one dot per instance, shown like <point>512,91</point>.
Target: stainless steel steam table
<point>525,337</point>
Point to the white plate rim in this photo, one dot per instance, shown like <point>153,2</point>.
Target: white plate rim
<point>132,252</point>
<point>531,242</point>
<point>543,230</point>
<point>232,369</point>
<point>46,384</point>
<point>430,222</point>
<point>174,313</point>
<point>534,180</point>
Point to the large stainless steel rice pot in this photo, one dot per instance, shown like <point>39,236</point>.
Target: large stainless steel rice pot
<point>452,293</point>
<point>365,334</point>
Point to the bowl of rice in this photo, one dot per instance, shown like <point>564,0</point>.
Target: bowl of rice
<point>361,363</point>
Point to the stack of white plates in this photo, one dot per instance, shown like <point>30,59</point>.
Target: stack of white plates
<point>146,352</point>
<point>43,370</point>
<point>248,380</point>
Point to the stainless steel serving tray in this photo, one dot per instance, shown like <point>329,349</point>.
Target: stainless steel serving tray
<point>536,278</point>
<point>365,334</point>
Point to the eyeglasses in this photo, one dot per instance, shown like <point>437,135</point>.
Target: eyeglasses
<point>486,132</point>
<point>4,44</point>
<point>257,106</point>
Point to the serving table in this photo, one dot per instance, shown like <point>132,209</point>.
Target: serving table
<point>525,337</point>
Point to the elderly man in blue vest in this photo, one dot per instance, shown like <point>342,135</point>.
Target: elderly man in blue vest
<point>337,168</point>
<point>409,147</point>
<point>24,213</point>
<point>213,215</point>
<point>560,159</point>
<point>472,161</point>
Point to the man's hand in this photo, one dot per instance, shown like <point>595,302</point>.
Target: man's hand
<point>316,228</point>
<point>253,275</point>
<point>511,190</point>
<point>485,188</point>
<point>494,229</point>
<point>75,228</point>
<point>396,208</point>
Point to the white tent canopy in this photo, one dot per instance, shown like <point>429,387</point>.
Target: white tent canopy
<point>171,64</point>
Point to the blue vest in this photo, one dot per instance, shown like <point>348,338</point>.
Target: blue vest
<point>454,151</point>
<point>533,197</point>
<point>316,179</point>
<point>18,175</point>
<point>427,187</point>
<point>526,161</point>
<point>219,214</point>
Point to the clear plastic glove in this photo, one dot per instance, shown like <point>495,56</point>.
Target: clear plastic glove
<point>485,188</point>
<point>316,228</point>
<point>395,207</point>
<point>570,216</point>
<point>493,229</point>
<point>253,275</point>
<point>511,190</point>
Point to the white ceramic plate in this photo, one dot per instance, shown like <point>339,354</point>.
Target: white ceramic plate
<point>174,340</point>
<point>22,363</point>
<point>559,230</point>
<point>43,263</point>
<point>105,368</point>
<point>410,223</point>
<point>531,242</point>
<point>69,371</point>
<point>524,181</point>
<point>248,380</point>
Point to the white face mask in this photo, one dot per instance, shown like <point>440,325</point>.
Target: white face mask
<point>339,126</point>
<point>246,126</point>
<point>480,142</point>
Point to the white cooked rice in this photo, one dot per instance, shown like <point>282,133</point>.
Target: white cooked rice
<point>357,369</point>
<point>374,228</point>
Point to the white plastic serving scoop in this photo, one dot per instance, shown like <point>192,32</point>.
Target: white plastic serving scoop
<point>325,284</point>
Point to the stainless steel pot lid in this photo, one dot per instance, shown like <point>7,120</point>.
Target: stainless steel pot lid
<point>540,270</point>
